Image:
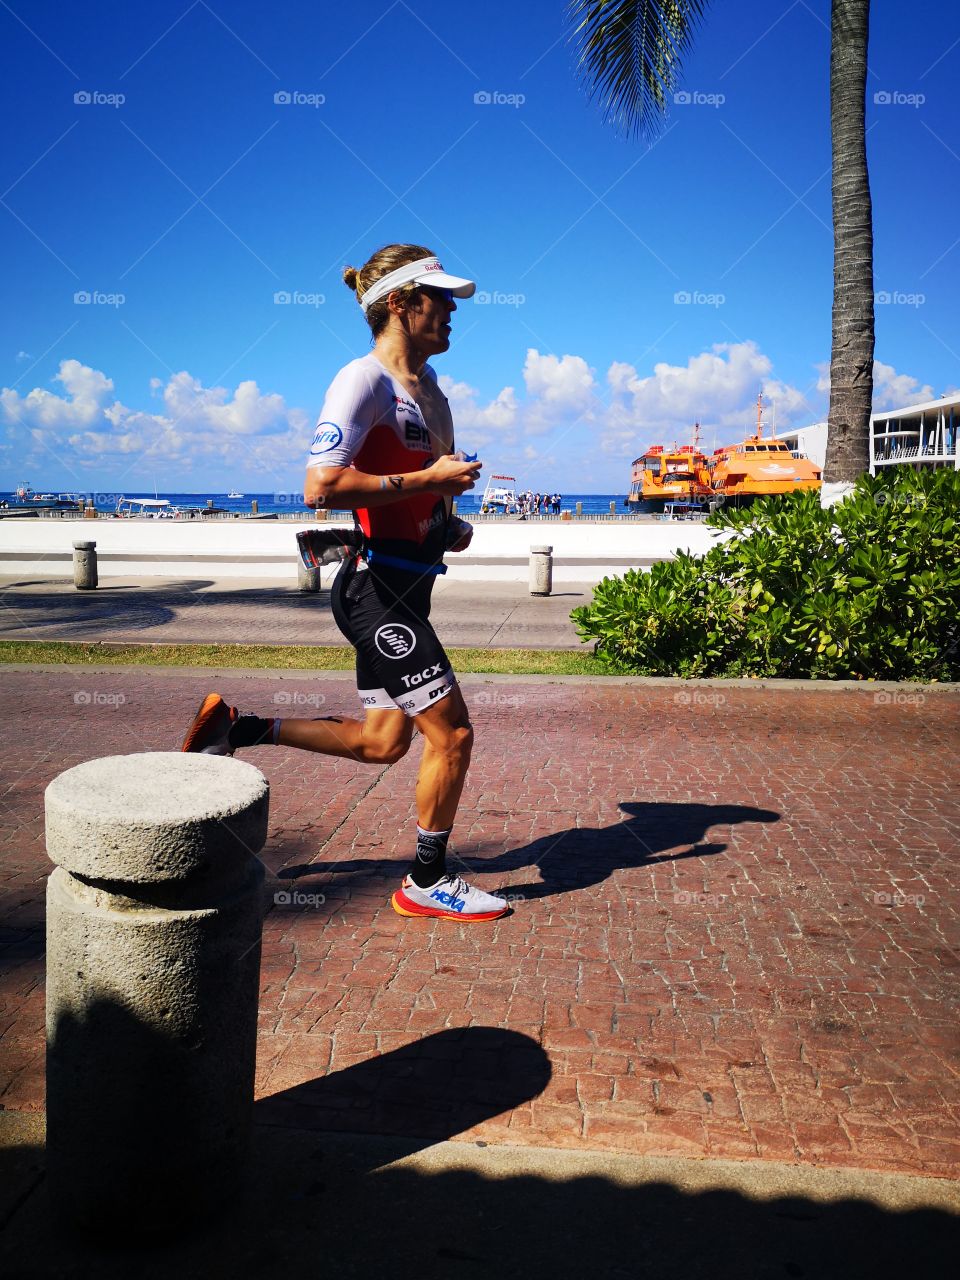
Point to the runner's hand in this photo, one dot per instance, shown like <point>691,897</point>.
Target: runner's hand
<point>450,477</point>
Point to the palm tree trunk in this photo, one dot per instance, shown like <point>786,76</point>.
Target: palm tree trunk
<point>851,357</point>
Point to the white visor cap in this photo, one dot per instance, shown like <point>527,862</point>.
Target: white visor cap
<point>427,271</point>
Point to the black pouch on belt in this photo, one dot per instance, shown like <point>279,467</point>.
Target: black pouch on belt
<point>326,546</point>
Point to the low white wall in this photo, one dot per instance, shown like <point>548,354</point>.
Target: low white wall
<point>267,549</point>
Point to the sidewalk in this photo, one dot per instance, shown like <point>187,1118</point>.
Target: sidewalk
<point>735,938</point>
<point>239,611</point>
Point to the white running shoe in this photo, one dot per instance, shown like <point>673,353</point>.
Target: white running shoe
<point>451,898</point>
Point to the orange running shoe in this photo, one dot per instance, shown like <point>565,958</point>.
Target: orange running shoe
<point>211,725</point>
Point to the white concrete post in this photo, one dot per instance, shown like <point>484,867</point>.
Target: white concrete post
<point>85,565</point>
<point>154,918</point>
<point>541,571</point>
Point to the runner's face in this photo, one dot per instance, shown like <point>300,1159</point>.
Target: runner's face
<point>428,319</point>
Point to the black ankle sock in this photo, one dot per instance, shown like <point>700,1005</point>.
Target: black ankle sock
<point>250,731</point>
<point>431,860</point>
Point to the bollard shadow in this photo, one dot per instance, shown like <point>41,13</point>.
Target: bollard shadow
<point>345,1179</point>
<point>425,1092</point>
<point>580,857</point>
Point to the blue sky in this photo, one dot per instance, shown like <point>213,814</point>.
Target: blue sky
<point>630,287</point>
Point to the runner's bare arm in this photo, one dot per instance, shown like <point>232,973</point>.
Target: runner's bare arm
<point>346,488</point>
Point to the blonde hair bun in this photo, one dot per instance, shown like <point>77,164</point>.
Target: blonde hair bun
<point>350,277</point>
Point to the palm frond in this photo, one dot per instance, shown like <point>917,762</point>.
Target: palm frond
<point>630,55</point>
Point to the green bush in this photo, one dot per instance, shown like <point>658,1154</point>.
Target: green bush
<point>869,589</point>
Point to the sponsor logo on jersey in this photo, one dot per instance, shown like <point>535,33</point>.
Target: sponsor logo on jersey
<point>394,640</point>
<point>411,406</point>
<point>416,433</point>
<point>326,437</point>
<point>425,674</point>
<point>438,518</point>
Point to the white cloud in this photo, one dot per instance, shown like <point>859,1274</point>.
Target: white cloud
<point>246,429</point>
<point>478,424</point>
<point>562,384</point>
<point>891,390</point>
<point>22,357</point>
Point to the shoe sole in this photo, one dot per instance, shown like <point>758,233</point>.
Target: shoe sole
<point>404,907</point>
<point>208,709</point>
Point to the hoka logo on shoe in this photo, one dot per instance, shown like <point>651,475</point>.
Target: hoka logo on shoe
<point>448,900</point>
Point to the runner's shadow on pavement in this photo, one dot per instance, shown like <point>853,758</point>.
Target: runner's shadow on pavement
<point>579,857</point>
<point>652,832</point>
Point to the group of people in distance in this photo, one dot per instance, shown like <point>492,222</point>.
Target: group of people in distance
<point>537,504</point>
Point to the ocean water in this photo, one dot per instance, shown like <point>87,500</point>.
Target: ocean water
<point>268,503</point>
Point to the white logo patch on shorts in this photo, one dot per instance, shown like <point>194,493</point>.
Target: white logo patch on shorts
<point>395,640</point>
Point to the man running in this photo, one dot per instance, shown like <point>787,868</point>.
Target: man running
<point>383,448</point>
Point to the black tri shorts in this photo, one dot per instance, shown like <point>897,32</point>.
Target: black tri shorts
<point>400,661</point>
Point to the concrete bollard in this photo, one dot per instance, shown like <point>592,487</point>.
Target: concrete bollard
<point>89,512</point>
<point>154,917</point>
<point>85,565</point>
<point>541,571</point>
<point>254,507</point>
<point>613,508</point>
<point>307,579</point>
<point>579,508</point>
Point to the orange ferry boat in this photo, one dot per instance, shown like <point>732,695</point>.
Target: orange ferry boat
<point>673,475</point>
<point>756,467</point>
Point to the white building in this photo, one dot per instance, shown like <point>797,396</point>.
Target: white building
<point>920,435</point>
<point>925,434</point>
<point>810,441</point>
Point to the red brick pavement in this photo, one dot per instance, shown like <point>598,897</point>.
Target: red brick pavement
<point>735,928</point>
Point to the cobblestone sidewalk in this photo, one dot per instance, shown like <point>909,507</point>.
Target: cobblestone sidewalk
<point>735,925</point>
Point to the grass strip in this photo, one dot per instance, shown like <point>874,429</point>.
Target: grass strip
<point>520,662</point>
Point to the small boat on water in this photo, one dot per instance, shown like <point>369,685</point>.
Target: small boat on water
<point>151,508</point>
<point>234,494</point>
<point>500,496</point>
<point>756,467</point>
<point>679,476</point>
<point>26,498</point>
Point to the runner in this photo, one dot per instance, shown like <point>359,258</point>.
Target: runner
<point>384,447</point>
